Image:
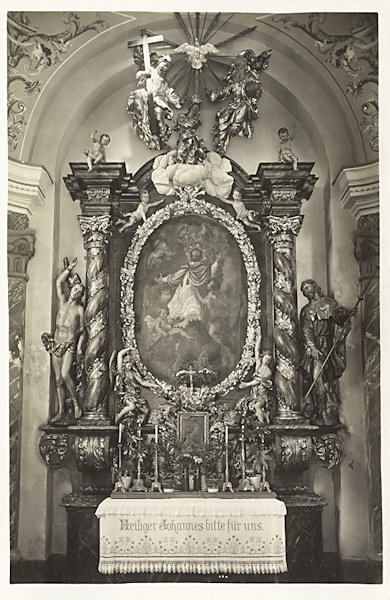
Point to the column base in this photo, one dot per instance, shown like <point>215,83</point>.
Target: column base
<point>286,415</point>
<point>93,418</point>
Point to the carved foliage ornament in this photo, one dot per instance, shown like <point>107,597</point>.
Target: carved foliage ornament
<point>92,452</point>
<point>53,448</point>
<point>283,229</point>
<point>328,448</point>
<point>95,230</point>
<point>190,205</point>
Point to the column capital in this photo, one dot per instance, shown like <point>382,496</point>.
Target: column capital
<point>358,189</point>
<point>95,229</point>
<point>100,189</point>
<point>27,187</point>
<point>283,229</point>
<point>20,248</point>
<point>285,188</point>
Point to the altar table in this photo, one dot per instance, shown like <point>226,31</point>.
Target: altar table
<point>192,535</point>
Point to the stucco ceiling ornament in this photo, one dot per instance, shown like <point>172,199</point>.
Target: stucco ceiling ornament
<point>30,52</point>
<point>354,52</point>
<point>194,205</point>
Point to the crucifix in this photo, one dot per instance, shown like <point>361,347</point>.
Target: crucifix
<point>145,41</point>
<point>190,374</point>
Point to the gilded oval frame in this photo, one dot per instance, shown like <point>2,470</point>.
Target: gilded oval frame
<point>191,204</point>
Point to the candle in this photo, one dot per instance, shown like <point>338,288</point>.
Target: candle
<point>156,434</point>
<point>120,433</point>
<point>226,434</point>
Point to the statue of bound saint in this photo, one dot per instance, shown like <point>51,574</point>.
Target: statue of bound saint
<point>324,327</point>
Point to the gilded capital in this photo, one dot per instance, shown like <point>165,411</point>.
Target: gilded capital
<point>95,230</point>
<point>283,230</point>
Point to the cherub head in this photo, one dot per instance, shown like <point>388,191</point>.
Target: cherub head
<point>105,139</point>
<point>283,134</point>
<point>266,357</point>
<point>164,312</point>
<point>144,196</point>
<point>237,194</point>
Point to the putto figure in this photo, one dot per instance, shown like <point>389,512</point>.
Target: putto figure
<point>130,218</point>
<point>127,385</point>
<point>242,84</point>
<point>149,106</point>
<point>68,338</point>
<point>286,155</point>
<point>249,217</point>
<point>261,385</point>
<point>98,154</point>
<point>324,325</point>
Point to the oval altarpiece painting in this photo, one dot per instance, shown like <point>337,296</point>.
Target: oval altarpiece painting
<point>190,295</point>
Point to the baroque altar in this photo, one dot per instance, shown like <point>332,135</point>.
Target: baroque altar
<point>192,372</point>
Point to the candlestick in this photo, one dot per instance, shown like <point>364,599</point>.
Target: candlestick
<point>227,486</point>
<point>139,484</point>
<point>156,434</point>
<point>244,484</point>
<point>120,432</point>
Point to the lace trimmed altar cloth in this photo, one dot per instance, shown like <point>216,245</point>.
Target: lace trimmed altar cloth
<point>192,535</point>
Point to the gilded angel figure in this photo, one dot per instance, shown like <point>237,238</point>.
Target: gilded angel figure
<point>241,84</point>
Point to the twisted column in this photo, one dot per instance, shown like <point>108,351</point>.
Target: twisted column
<point>96,231</point>
<point>282,232</point>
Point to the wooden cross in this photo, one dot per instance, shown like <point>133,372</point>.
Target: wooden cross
<point>145,41</point>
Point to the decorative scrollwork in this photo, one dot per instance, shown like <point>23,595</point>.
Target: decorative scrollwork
<point>53,448</point>
<point>95,230</point>
<point>293,451</point>
<point>283,230</point>
<point>98,195</point>
<point>283,196</point>
<point>92,452</point>
<point>190,204</point>
<point>328,448</point>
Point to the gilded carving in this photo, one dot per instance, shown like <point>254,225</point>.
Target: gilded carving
<point>283,230</point>
<point>98,195</point>
<point>92,452</point>
<point>95,230</point>
<point>283,195</point>
<point>328,449</point>
<point>54,448</point>
<point>293,451</point>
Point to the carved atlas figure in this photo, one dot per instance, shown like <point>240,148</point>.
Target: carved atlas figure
<point>68,337</point>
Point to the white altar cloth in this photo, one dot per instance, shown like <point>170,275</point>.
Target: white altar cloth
<point>192,535</point>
